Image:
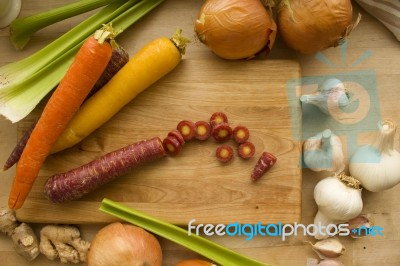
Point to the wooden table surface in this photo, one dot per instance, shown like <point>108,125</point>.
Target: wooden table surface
<point>370,37</point>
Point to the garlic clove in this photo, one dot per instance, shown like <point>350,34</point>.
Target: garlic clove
<point>330,262</point>
<point>328,248</point>
<point>361,221</point>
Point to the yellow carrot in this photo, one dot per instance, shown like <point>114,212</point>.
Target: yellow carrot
<point>148,65</point>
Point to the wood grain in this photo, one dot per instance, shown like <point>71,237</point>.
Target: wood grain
<point>194,184</point>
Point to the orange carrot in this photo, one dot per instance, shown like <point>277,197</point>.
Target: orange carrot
<point>83,73</point>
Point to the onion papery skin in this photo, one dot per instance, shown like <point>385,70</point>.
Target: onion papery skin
<point>235,29</point>
<point>309,26</point>
<point>120,244</point>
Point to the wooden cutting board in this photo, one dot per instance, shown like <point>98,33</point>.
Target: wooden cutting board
<point>194,185</point>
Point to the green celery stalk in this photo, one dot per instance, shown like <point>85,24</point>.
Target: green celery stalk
<point>22,29</point>
<point>133,14</point>
<point>202,246</point>
<point>24,83</point>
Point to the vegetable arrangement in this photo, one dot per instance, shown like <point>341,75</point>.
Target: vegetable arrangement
<point>148,65</point>
<point>89,63</point>
<point>25,83</point>
<point>297,30</point>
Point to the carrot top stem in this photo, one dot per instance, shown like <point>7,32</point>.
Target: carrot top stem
<point>106,33</point>
<point>179,41</point>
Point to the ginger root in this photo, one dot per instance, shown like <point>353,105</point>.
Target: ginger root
<point>63,242</point>
<point>23,237</point>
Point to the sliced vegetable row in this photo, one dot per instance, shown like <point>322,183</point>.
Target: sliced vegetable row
<point>77,182</point>
<point>219,129</point>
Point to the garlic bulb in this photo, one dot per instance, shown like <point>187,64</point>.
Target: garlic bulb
<point>324,152</point>
<point>339,200</point>
<point>330,97</point>
<point>377,165</point>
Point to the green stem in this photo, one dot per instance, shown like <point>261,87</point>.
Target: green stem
<point>202,246</point>
<point>126,19</point>
<point>22,29</point>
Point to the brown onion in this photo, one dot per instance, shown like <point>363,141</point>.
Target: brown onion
<point>309,26</point>
<point>124,244</point>
<point>235,29</point>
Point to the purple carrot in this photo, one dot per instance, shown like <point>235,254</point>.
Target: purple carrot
<point>75,183</point>
<point>18,149</point>
<point>264,163</point>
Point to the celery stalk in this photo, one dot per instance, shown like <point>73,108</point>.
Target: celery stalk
<point>24,83</point>
<point>126,19</point>
<point>202,246</point>
<point>22,29</point>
